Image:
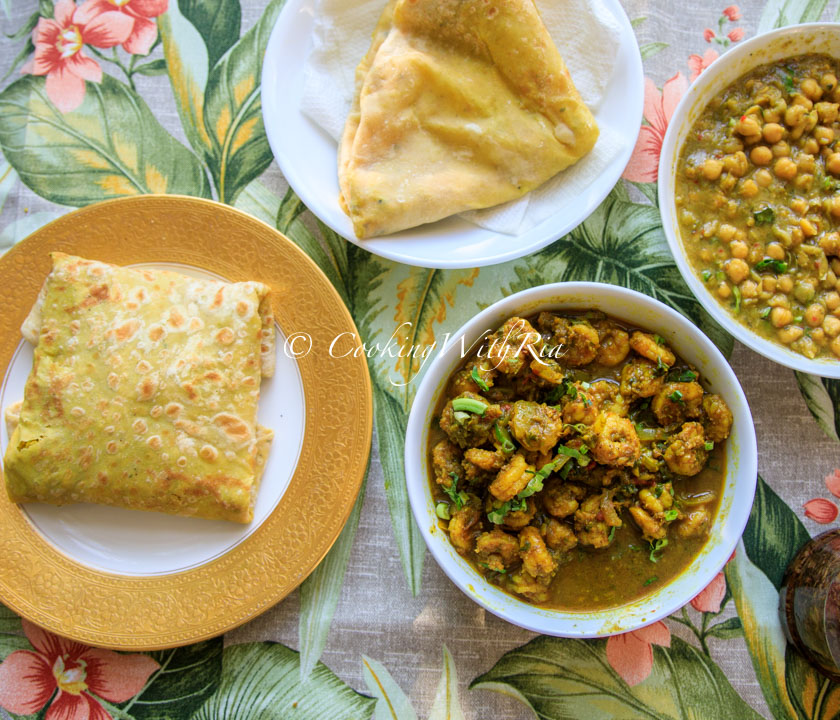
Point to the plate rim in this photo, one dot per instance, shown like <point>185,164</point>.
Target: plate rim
<point>271,72</point>
<point>24,553</point>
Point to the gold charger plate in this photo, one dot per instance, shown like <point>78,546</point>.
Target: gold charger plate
<point>137,612</point>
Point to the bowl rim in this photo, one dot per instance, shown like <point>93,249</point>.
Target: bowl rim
<point>707,85</point>
<point>559,623</point>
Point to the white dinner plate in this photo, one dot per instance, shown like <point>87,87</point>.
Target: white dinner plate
<point>307,156</point>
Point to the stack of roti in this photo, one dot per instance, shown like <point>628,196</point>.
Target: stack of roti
<point>459,105</point>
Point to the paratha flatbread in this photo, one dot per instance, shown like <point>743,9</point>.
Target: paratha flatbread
<point>143,392</point>
<point>460,105</point>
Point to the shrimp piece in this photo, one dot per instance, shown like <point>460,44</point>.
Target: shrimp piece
<point>561,499</point>
<point>718,421</point>
<point>446,462</point>
<point>464,525</point>
<point>511,345</point>
<point>547,369</point>
<point>559,536</point>
<point>646,345</point>
<point>536,427</point>
<point>498,543</point>
<point>686,454</point>
<point>652,529</point>
<point>512,478</point>
<point>640,379</point>
<point>489,460</point>
<point>578,341</point>
<point>696,523</point>
<point>616,441</point>
<point>615,343</point>
<point>677,401</point>
<point>581,408</point>
<point>536,560</point>
<point>535,589</point>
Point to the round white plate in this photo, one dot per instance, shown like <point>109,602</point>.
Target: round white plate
<point>307,156</point>
<point>133,542</point>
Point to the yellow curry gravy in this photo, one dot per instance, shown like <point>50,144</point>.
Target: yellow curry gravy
<point>758,202</point>
<point>576,462</point>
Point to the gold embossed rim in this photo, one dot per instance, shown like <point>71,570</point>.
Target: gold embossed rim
<point>144,613</point>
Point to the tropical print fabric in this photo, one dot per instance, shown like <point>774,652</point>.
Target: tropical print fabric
<point>108,98</point>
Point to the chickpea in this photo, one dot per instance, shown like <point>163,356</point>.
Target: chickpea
<point>832,300</point>
<point>828,82</point>
<point>796,236</point>
<point>789,334</point>
<point>804,181</point>
<point>749,189</point>
<point>831,325</point>
<point>811,89</point>
<point>768,284</point>
<point>780,316</point>
<point>773,132</point>
<point>712,169</point>
<point>726,232</point>
<point>818,336</point>
<point>748,126</point>
<point>824,135</point>
<point>785,283</point>
<point>781,149</point>
<point>799,205</point>
<point>834,207</point>
<point>739,249</point>
<point>804,291</point>
<point>832,163</point>
<point>795,115</point>
<point>749,289</point>
<point>815,314</point>
<point>779,300</point>
<point>727,182</point>
<point>776,251</point>
<point>835,265</point>
<point>806,163</point>
<point>802,101</point>
<point>761,155</point>
<point>830,243</point>
<point>811,146</point>
<point>834,346</point>
<point>785,169</point>
<point>724,290</point>
<point>827,112</point>
<point>808,227</point>
<point>736,164</point>
<point>756,253</point>
<point>763,177</point>
<point>737,269</point>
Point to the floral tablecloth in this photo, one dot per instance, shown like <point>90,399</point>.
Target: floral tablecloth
<point>107,98</point>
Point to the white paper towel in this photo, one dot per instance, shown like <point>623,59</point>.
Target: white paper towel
<point>586,33</point>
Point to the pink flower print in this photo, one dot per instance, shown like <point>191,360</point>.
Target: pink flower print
<point>631,654</point>
<point>832,482</point>
<point>732,13</point>
<point>821,510</point>
<point>710,597</point>
<point>59,51</point>
<point>138,12</point>
<point>28,679</point>
<point>708,35</point>
<point>736,34</point>
<point>699,64</point>
<point>658,109</point>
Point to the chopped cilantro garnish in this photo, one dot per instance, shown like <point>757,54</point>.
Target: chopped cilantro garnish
<point>651,579</point>
<point>478,379</point>
<point>659,339</point>
<point>765,216</point>
<point>553,396</point>
<point>797,318</point>
<point>779,266</point>
<point>612,534</point>
<point>765,313</point>
<point>535,484</point>
<point>671,514</point>
<point>677,397</point>
<point>497,516</point>
<point>459,498</point>
<point>571,391</point>
<point>677,375</point>
<point>657,491</point>
<point>579,455</point>
<point>709,445</point>
<point>487,567</point>
<point>736,293</point>
<point>656,547</point>
<point>707,275</point>
<point>504,438</point>
<point>788,81</point>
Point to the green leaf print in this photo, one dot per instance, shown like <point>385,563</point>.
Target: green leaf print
<point>217,21</point>
<point>233,112</point>
<point>261,681</point>
<point>111,146</point>
<point>446,705</point>
<point>11,633</point>
<point>621,243</point>
<point>780,13</point>
<point>565,679</point>
<point>391,702</point>
<point>814,696</point>
<point>186,678</point>
<point>821,395</point>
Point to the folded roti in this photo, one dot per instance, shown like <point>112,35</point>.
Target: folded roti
<point>459,105</point>
<point>143,392</point>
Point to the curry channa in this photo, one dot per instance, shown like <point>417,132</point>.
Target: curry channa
<point>758,202</point>
<point>577,462</point>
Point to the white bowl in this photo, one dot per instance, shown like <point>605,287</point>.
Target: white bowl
<point>741,459</point>
<point>307,156</point>
<point>770,47</point>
